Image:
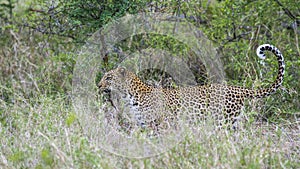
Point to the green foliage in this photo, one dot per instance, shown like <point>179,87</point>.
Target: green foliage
<point>71,119</point>
<point>47,157</point>
<point>6,9</point>
<point>78,19</point>
<point>38,42</point>
<point>17,156</point>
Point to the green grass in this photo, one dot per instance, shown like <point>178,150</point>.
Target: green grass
<point>45,133</point>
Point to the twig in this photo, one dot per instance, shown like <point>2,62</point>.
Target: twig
<point>235,38</point>
<point>37,10</point>
<point>45,32</point>
<point>62,156</point>
<point>288,12</point>
<point>296,38</point>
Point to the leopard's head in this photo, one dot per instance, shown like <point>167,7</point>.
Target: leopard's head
<point>115,80</point>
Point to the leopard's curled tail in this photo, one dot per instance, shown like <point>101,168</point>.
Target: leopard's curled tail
<point>281,67</point>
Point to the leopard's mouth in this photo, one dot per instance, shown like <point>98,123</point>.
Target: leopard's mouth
<point>106,90</point>
<point>106,96</point>
<point>104,93</point>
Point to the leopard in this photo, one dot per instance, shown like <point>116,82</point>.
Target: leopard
<point>159,109</point>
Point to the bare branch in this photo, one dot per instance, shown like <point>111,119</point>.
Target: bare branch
<point>287,11</point>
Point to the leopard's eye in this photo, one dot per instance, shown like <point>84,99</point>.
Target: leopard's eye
<point>108,78</point>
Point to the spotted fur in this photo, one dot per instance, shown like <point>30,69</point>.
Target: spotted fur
<point>155,107</point>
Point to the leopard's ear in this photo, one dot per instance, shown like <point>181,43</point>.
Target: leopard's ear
<point>122,71</point>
